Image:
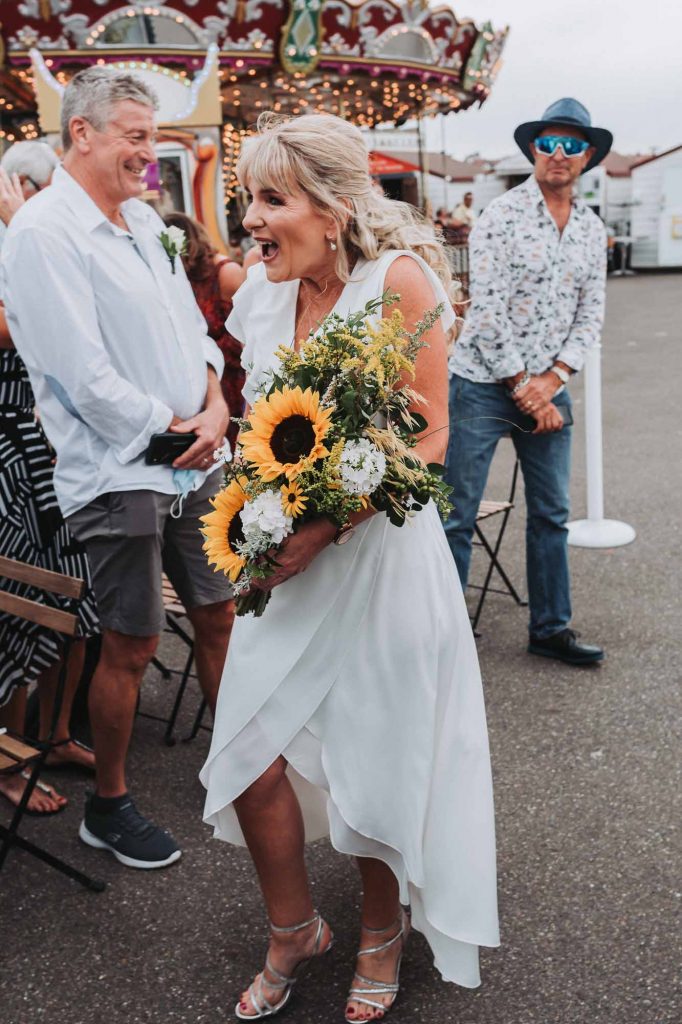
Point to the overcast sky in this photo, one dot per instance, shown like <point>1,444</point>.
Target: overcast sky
<point>621,58</point>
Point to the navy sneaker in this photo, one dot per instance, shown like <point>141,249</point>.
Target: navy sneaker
<point>132,838</point>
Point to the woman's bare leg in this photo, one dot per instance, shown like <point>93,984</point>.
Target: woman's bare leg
<point>47,690</point>
<point>381,912</point>
<point>13,717</point>
<point>272,823</point>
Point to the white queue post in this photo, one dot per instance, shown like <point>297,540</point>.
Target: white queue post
<point>595,531</point>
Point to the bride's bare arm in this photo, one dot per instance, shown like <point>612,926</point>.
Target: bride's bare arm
<point>407,279</point>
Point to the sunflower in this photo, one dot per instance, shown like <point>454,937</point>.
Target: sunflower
<point>287,431</point>
<point>223,529</point>
<point>293,499</point>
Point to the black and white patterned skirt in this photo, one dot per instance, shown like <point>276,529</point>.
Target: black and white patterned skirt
<point>32,530</point>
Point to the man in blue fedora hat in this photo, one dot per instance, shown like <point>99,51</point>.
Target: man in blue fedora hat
<point>538,275</point>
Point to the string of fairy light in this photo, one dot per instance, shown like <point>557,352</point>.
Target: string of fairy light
<point>366,99</point>
<point>25,130</point>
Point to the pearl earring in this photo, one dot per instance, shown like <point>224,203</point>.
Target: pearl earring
<point>332,245</point>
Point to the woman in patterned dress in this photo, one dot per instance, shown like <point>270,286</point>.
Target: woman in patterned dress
<point>32,530</point>
<point>215,279</point>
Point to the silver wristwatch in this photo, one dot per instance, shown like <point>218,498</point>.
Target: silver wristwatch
<point>562,374</point>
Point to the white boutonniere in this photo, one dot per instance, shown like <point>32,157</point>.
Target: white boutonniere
<point>174,242</point>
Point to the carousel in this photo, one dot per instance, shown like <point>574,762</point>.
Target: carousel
<point>216,64</point>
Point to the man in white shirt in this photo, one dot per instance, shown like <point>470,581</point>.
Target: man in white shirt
<point>463,216</point>
<point>538,277</point>
<point>117,352</point>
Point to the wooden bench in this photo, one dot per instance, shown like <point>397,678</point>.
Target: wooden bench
<point>16,755</point>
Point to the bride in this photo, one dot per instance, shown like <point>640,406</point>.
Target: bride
<point>354,706</point>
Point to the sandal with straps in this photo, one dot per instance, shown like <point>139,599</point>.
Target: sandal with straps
<point>374,987</point>
<point>259,1001</point>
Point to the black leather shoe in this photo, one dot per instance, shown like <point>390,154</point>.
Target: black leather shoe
<point>565,647</point>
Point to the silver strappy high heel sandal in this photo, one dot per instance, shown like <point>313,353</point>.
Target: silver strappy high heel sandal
<point>259,1001</point>
<point>374,987</point>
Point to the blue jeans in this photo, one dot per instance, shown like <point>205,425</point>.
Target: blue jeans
<point>545,463</point>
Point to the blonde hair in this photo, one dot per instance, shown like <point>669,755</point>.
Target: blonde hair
<point>326,157</point>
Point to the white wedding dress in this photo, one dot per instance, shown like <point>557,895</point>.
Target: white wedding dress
<point>363,673</point>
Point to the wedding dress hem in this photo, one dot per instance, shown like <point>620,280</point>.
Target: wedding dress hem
<point>226,828</point>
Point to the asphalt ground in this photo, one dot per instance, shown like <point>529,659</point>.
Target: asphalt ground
<point>587,780</point>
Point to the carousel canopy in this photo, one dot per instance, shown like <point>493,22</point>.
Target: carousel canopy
<point>372,61</point>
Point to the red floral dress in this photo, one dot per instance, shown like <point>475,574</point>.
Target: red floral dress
<point>216,311</point>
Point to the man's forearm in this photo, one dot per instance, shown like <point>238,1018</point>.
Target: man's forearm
<point>511,382</point>
<point>214,392</point>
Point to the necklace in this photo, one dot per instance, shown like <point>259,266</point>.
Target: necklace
<point>324,294</point>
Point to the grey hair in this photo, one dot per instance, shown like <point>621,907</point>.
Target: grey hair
<point>93,92</point>
<point>34,160</point>
<point>327,158</point>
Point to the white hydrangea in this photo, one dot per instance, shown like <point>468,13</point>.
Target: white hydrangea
<point>264,519</point>
<point>362,467</point>
<point>223,454</point>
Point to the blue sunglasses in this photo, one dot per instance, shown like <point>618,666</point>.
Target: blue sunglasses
<point>548,144</point>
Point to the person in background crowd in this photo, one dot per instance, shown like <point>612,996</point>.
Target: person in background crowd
<point>538,276</point>
<point>234,248</point>
<point>32,530</point>
<point>462,220</point>
<point>441,220</point>
<point>241,243</point>
<point>132,360</point>
<point>28,165</point>
<point>215,279</point>
<point>33,163</point>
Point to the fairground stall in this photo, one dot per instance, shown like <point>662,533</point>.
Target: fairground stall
<point>216,64</point>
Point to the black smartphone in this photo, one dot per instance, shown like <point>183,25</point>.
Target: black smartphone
<point>165,448</point>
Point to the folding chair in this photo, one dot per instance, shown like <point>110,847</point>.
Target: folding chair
<point>175,612</point>
<point>15,754</point>
<point>486,510</point>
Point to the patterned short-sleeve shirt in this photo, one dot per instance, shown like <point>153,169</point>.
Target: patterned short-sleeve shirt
<point>537,295</point>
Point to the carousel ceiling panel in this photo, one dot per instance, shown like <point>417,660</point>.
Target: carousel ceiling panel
<point>371,61</point>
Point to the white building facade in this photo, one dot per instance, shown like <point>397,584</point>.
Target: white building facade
<point>657,211</point>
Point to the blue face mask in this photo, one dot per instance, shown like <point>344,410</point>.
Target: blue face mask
<point>184,480</point>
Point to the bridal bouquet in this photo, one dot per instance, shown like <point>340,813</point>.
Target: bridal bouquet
<point>331,434</point>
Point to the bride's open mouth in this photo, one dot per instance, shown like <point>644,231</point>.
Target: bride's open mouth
<point>268,248</point>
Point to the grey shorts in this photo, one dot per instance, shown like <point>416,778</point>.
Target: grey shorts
<point>130,537</point>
